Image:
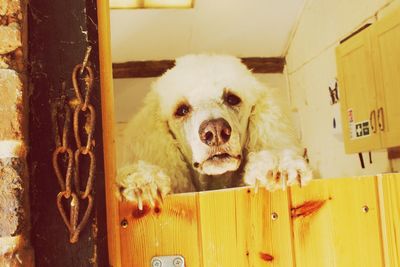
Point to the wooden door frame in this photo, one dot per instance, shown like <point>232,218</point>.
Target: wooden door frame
<point>108,120</point>
<point>60,34</point>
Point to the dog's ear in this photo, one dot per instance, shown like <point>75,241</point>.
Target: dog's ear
<point>269,125</point>
<point>147,137</point>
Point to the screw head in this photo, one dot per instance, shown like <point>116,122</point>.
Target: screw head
<point>156,263</point>
<point>177,262</point>
<point>124,223</point>
<point>274,216</point>
<point>365,208</point>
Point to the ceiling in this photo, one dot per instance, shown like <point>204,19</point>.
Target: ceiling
<point>252,28</point>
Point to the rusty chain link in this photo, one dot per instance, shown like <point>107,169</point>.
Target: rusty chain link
<point>72,159</point>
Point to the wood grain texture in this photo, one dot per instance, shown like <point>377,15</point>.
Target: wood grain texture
<point>263,228</point>
<point>330,222</point>
<point>153,68</point>
<point>218,228</point>
<point>343,229</point>
<point>389,192</point>
<point>170,229</point>
<point>107,103</point>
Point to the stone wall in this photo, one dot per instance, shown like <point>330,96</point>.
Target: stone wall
<point>14,216</point>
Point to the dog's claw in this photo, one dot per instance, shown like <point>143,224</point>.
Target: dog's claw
<point>140,203</point>
<point>143,184</point>
<point>160,196</point>
<point>151,200</point>
<point>284,180</point>
<point>298,178</point>
<point>256,186</point>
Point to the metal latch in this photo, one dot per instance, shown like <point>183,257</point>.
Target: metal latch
<point>168,261</point>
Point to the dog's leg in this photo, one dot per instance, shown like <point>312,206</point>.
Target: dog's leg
<point>143,182</point>
<point>275,170</point>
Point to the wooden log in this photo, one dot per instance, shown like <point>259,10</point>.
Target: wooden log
<point>152,68</point>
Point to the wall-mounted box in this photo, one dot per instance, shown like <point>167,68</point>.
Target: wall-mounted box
<point>369,82</point>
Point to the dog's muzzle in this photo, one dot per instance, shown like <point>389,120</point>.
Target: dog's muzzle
<point>215,132</point>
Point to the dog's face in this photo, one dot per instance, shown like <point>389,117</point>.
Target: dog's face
<point>211,129</point>
<point>207,103</point>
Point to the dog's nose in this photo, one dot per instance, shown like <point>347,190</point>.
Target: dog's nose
<point>215,132</point>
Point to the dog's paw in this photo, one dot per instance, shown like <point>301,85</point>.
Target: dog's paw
<point>294,168</point>
<point>262,169</point>
<point>143,182</point>
<point>276,171</point>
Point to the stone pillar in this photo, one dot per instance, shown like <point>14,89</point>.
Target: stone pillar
<point>15,249</point>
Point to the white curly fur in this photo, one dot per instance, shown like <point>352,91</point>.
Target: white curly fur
<point>161,150</point>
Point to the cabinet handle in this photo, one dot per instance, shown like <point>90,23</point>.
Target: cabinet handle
<point>372,120</point>
<point>381,119</point>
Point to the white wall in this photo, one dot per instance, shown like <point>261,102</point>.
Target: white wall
<point>311,68</point>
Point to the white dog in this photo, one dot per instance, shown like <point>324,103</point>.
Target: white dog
<point>208,124</point>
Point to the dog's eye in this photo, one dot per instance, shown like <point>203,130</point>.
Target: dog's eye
<point>232,99</point>
<point>182,110</point>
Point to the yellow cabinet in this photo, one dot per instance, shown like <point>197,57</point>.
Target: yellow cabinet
<point>385,37</point>
<point>368,67</point>
<point>357,93</point>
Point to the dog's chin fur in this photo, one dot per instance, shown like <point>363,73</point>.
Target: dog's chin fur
<point>218,167</point>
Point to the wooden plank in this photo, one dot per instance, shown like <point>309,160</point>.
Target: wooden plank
<point>169,229</point>
<point>265,64</point>
<point>389,188</point>
<point>263,228</point>
<point>218,229</point>
<point>141,69</point>
<point>336,223</point>
<point>153,68</point>
<point>107,104</point>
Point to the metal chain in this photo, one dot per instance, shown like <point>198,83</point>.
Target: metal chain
<point>77,195</point>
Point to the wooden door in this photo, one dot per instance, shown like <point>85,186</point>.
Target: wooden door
<point>357,93</point>
<point>389,188</point>
<point>386,53</point>
<point>233,227</point>
<point>344,229</point>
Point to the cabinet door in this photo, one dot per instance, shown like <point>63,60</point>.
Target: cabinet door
<point>386,52</point>
<point>357,93</point>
